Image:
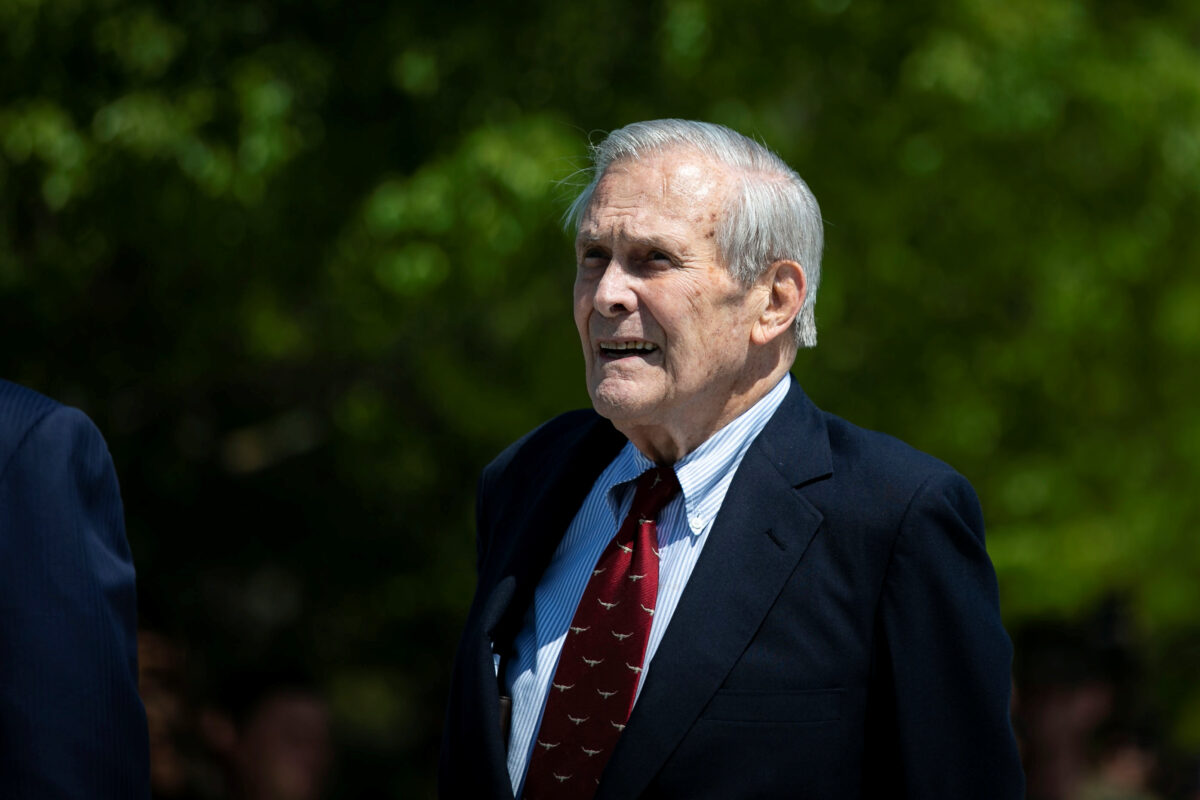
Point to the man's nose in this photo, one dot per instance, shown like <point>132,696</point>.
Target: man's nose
<point>614,293</point>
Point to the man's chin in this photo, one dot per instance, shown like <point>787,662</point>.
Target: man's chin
<point>620,403</point>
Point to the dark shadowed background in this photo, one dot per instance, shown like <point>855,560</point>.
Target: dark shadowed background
<point>301,263</point>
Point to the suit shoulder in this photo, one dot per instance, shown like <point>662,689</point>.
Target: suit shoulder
<point>551,437</point>
<point>879,484</point>
<point>29,419</point>
<point>21,411</point>
<point>21,408</point>
<point>874,456</point>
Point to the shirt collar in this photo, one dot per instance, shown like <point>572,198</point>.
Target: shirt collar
<point>705,472</point>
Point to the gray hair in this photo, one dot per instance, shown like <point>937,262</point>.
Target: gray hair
<point>772,215</point>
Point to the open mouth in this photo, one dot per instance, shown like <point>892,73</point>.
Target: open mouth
<point>626,349</point>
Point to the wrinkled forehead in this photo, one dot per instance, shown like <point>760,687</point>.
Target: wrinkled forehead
<point>676,184</point>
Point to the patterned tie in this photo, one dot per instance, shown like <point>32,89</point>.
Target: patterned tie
<point>592,693</point>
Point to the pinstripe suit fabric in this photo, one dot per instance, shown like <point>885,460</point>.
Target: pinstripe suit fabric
<point>71,723</point>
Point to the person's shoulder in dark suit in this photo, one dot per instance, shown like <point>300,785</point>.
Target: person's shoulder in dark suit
<point>942,652</point>
<point>71,722</point>
<point>535,458</point>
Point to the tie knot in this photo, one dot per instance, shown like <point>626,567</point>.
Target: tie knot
<point>655,488</point>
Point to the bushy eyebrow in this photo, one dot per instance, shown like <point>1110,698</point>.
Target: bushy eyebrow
<point>667,245</point>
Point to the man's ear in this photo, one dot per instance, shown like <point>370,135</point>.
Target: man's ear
<point>785,290</point>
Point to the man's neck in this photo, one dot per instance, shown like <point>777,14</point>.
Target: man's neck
<point>666,444</point>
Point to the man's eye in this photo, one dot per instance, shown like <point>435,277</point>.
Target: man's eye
<point>593,257</point>
<point>658,256</point>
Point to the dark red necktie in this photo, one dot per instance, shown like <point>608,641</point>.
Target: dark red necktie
<point>592,693</point>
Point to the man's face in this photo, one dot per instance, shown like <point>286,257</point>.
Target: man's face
<point>665,328</point>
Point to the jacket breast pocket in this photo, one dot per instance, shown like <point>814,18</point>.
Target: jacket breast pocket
<point>809,706</point>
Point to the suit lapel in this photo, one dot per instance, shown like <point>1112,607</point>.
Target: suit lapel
<point>758,538</point>
<point>539,524</point>
<point>534,527</point>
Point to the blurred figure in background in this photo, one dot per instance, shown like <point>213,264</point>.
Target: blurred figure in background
<point>1066,686</point>
<point>272,735</point>
<point>1086,733</point>
<point>72,725</point>
<point>175,766</point>
<point>1125,769</point>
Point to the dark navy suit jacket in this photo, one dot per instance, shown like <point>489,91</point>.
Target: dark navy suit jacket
<point>839,638</point>
<point>71,724</point>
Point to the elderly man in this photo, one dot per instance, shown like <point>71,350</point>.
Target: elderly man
<point>708,587</point>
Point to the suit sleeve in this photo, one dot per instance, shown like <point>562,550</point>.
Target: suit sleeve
<point>949,655</point>
<point>72,726</point>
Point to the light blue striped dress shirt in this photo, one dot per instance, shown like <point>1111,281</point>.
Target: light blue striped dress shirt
<point>704,476</point>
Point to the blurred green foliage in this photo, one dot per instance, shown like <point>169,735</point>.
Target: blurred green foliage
<point>302,264</point>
